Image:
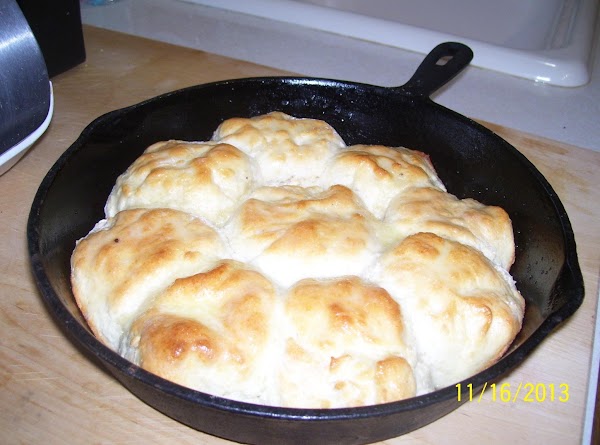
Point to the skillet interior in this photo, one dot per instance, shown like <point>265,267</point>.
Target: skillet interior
<point>472,162</point>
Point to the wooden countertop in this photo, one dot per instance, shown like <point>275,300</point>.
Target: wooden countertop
<point>52,394</point>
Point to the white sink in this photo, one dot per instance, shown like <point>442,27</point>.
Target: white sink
<point>546,41</point>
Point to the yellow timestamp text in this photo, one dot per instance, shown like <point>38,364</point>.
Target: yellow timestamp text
<point>510,393</point>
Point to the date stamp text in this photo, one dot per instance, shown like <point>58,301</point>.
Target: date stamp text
<point>510,393</point>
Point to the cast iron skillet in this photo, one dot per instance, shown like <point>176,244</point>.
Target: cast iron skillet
<point>471,160</point>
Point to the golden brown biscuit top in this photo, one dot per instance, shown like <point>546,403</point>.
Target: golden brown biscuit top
<point>204,179</point>
<point>464,310</point>
<point>346,338</point>
<point>377,173</point>
<point>292,233</point>
<point>277,140</point>
<point>211,329</point>
<point>427,209</point>
<point>127,259</point>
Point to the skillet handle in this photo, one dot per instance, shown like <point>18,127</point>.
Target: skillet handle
<point>439,66</point>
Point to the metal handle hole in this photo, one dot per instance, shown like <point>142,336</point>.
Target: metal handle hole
<point>443,60</point>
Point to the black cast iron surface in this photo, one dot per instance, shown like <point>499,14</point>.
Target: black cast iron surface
<point>471,160</point>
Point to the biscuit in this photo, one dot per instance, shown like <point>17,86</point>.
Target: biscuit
<point>127,260</point>
<point>427,209</point>
<point>278,141</point>
<point>461,310</point>
<point>204,179</point>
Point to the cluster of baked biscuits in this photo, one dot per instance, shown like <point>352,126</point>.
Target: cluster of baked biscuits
<point>275,265</point>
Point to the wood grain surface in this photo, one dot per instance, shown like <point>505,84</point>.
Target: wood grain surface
<point>51,394</point>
